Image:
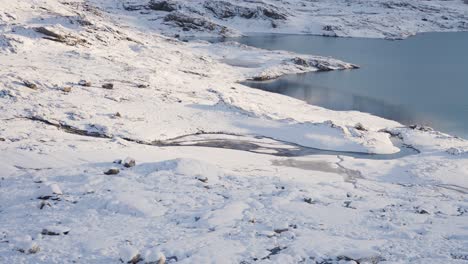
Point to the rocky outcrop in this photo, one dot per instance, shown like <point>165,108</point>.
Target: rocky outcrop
<point>193,22</point>
<point>225,10</point>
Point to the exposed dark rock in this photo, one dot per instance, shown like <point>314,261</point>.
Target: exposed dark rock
<point>84,83</point>
<point>189,22</point>
<point>135,259</point>
<point>224,9</point>
<point>50,33</point>
<point>309,200</point>
<point>162,5</point>
<point>360,127</point>
<point>421,128</point>
<point>203,179</point>
<point>112,171</point>
<point>281,230</point>
<point>300,61</point>
<point>30,85</point>
<point>129,162</point>
<point>108,86</point>
<point>44,204</point>
<point>47,232</point>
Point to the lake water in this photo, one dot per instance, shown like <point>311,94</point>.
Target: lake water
<point>420,80</point>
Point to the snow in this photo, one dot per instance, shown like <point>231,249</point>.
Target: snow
<point>218,175</point>
<point>367,18</point>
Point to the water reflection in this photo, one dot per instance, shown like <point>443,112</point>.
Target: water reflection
<point>421,80</point>
<point>302,87</point>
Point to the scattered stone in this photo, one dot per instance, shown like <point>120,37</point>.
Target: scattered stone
<point>55,231</point>
<point>155,257</point>
<point>112,171</point>
<point>130,255</point>
<point>55,189</point>
<point>6,93</point>
<point>30,85</point>
<point>2,139</point>
<point>281,230</point>
<point>309,200</point>
<point>360,126</point>
<point>118,114</point>
<point>203,179</point>
<point>142,86</point>
<point>129,162</point>
<point>421,128</point>
<point>108,86</point>
<point>84,83</point>
<point>26,245</point>
<point>49,191</point>
<point>118,161</point>
<point>67,89</point>
<point>44,204</point>
<point>422,211</point>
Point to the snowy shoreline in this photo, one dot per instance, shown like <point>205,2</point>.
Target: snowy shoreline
<point>87,89</point>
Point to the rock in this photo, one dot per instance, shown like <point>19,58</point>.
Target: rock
<point>189,22</point>
<point>67,89</point>
<point>44,204</point>
<point>55,189</point>
<point>142,86</point>
<point>452,151</point>
<point>49,33</point>
<point>49,191</point>
<point>55,231</point>
<point>225,9</point>
<point>281,230</point>
<point>422,211</point>
<point>421,128</point>
<point>108,86</point>
<point>118,114</point>
<point>154,257</point>
<point>112,171</point>
<point>30,85</point>
<point>309,200</point>
<point>360,127</point>
<point>203,179</point>
<point>129,254</point>
<point>6,93</point>
<point>25,244</point>
<point>163,5</point>
<point>2,139</point>
<point>129,162</point>
<point>300,62</point>
<point>84,83</point>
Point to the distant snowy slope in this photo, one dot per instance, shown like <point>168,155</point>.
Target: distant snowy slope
<point>368,18</point>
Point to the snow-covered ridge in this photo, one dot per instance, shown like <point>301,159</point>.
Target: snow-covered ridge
<point>369,18</point>
<point>99,120</point>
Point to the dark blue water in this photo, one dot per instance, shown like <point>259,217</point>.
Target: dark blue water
<point>420,80</point>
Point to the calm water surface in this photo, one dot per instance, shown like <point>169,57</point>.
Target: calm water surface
<point>420,80</point>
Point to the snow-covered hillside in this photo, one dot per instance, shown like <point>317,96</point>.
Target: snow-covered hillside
<point>118,144</point>
<point>368,18</point>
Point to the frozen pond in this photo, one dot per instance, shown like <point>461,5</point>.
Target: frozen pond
<point>420,80</point>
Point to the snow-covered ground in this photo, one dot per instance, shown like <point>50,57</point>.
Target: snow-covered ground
<point>217,178</point>
<point>364,18</point>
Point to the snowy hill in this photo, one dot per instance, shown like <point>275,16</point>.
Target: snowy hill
<point>119,144</point>
<point>368,18</point>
